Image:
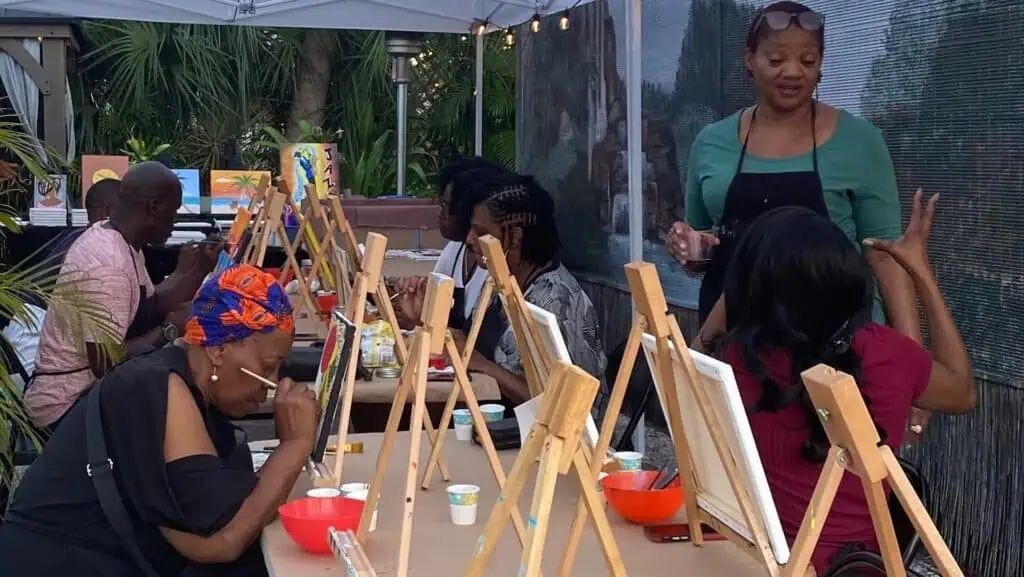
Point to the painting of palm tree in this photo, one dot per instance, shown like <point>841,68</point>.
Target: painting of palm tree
<point>231,189</point>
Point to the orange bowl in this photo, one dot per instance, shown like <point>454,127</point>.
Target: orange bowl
<point>629,496</point>
<point>326,302</point>
<point>306,520</point>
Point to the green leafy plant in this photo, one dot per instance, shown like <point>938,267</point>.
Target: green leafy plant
<point>139,150</point>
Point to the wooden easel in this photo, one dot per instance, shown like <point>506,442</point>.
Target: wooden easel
<point>326,271</point>
<point>462,359</point>
<point>428,338</point>
<point>556,437</point>
<point>271,222</point>
<point>856,448</point>
<point>372,263</point>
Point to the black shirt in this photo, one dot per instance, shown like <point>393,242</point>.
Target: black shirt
<point>55,525</point>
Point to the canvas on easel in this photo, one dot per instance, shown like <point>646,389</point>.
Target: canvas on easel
<point>330,378</point>
<point>556,439</point>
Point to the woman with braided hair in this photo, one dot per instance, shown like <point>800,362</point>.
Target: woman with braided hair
<point>521,215</point>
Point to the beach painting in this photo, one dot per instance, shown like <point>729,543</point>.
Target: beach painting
<point>310,163</point>
<point>189,178</point>
<point>233,189</point>
<point>51,192</point>
<point>100,167</point>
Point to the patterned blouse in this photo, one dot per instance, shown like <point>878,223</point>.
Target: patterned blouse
<point>558,292</point>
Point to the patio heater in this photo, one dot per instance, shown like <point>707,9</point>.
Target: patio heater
<point>403,47</point>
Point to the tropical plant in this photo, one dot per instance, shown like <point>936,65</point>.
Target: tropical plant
<point>139,150</point>
<point>36,280</point>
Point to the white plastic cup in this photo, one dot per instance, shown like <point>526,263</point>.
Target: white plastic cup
<point>363,496</point>
<point>349,488</point>
<point>463,501</point>
<point>463,424</point>
<point>323,493</point>
<point>493,412</point>
<point>629,460</point>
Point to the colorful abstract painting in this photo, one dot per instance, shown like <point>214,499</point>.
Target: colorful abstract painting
<point>233,189</point>
<point>309,163</point>
<point>189,178</point>
<point>100,167</point>
<point>330,377</point>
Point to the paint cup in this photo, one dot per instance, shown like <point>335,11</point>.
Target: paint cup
<point>463,424</point>
<point>629,460</point>
<point>349,488</point>
<point>463,501</point>
<point>363,495</point>
<point>323,493</point>
<point>493,412</point>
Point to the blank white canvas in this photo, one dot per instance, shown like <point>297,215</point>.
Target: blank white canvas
<point>716,495</point>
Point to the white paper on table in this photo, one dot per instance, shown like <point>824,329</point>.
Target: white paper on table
<point>526,414</point>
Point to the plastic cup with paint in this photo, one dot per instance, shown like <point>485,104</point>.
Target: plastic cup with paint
<point>629,460</point>
<point>463,424</point>
<point>363,495</point>
<point>323,493</point>
<point>493,412</point>
<point>463,501</point>
<point>349,488</point>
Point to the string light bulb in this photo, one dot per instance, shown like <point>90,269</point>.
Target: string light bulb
<point>510,38</point>
<point>535,23</point>
<point>563,22</point>
<point>481,28</point>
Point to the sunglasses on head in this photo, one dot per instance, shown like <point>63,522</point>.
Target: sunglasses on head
<point>778,20</point>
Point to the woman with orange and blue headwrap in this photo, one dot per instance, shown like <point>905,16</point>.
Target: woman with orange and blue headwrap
<point>149,462</point>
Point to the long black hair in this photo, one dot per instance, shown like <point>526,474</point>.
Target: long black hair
<point>796,284</point>
<point>471,187</point>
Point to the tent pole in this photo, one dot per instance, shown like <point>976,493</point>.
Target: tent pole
<point>478,128</point>
<point>634,123</point>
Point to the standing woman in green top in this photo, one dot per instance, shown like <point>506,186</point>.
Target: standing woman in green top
<point>790,149</point>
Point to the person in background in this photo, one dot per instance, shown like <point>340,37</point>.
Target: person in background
<point>101,200</point>
<point>456,261</point>
<point>521,216</point>
<point>179,467</point>
<point>797,294</point>
<point>790,149</point>
<point>107,269</point>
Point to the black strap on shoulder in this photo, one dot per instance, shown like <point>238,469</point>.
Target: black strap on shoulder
<point>100,468</point>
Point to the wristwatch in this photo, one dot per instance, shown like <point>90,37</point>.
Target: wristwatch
<point>170,331</point>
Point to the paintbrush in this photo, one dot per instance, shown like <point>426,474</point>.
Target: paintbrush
<point>265,381</point>
<point>664,482</point>
<point>657,478</point>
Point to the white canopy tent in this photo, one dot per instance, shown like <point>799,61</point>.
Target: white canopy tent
<point>451,16</point>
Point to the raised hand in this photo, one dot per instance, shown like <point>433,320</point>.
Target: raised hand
<point>911,251</point>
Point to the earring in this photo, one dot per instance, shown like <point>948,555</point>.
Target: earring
<point>214,378</point>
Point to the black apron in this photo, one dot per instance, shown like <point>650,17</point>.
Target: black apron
<point>749,196</point>
<point>457,317</point>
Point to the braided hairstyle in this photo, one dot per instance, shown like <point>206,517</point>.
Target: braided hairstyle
<point>468,189</point>
<point>525,205</point>
<point>796,284</point>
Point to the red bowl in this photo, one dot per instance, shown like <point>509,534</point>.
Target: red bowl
<point>629,496</point>
<point>306,520</point>
<point>326,302</point>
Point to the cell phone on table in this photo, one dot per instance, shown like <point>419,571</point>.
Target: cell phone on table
<point>678,533</point>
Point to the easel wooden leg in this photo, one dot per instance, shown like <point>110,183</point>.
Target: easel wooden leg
<point>507,499</point>
<point>884,530</point>
<point>922,521</point>
<point>815,517</point>
<point>611,416</point>
<point>387,445</point>
<point>420,358</point>
<point>593,504</point>
<point>540,511</point>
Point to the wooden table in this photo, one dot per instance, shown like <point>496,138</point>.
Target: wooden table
<point>440,548</point>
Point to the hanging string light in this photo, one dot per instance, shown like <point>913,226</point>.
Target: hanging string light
<point>535,23</point>
<point>510,38</point>
<point>563,22</point>
<point>481,28</point>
